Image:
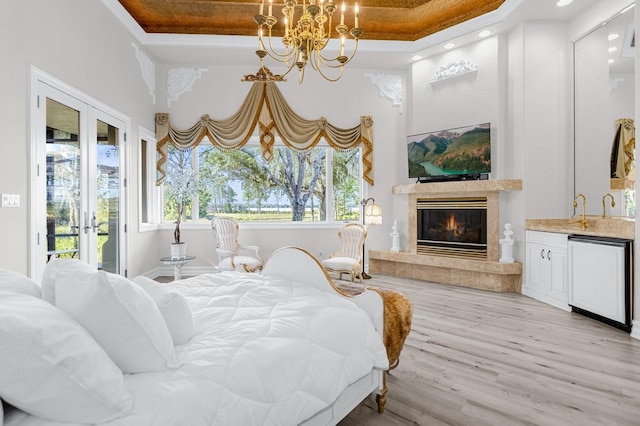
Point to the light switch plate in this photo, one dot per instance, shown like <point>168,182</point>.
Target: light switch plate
<point>10,200</point>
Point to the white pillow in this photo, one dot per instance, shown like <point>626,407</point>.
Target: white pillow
<point>18,283</point>
<point>173,307</point>
<point>82,270</point>
<point>121,316</point>
<point>52,368</point>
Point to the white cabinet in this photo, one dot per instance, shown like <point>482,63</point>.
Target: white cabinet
<point>546,272</point>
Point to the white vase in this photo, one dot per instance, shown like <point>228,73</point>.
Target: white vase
<point>178,250</point>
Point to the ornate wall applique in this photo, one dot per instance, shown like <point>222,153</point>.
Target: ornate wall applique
<point>454,69</point>
<point>389,87</point>
<point>148,69</point>
<point>180,80</point>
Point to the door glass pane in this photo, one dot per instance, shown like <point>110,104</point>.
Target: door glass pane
<point>63,180</point>
<point>108,203</point>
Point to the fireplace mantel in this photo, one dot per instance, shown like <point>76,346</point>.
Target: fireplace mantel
<point>489,274</point>
<point>466,186</point>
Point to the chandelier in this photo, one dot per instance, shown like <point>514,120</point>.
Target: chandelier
<point>304,40</point>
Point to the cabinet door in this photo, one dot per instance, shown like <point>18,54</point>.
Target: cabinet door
<point>557,273</point>
<point>597,279</point>
<point>535,267</point>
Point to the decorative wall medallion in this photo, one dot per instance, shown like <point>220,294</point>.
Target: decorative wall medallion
<point>148,69</point>
<point>180,80</point>
<point>454,69</point>
<point>389,87</point>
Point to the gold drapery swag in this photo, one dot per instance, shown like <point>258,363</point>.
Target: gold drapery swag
<point>623,149</point>
<point>265,107</point>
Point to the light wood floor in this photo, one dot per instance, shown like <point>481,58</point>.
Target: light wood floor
<point>480,358</point>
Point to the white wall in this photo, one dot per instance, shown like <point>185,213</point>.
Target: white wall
<point>80,43</point>
<point>538,125</point>
<point>457,101</point>
<point>545,130</point>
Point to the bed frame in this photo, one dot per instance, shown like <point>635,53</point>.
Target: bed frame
<point>291,263</point>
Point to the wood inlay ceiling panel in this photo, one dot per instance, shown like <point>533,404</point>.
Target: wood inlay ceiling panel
<point>405,20</point>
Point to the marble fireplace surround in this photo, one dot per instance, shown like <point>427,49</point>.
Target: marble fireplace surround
<point>487,274</point>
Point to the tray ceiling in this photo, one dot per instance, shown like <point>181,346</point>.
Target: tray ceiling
<point>406,20</point>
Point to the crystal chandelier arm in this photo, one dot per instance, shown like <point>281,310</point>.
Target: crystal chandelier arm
<point>326,76</point>
<point>288,55</point>
<point>305,39</point>
<point>337,62</point>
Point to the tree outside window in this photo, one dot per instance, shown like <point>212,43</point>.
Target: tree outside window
<point>292,187</point>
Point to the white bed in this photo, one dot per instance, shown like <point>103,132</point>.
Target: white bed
<point>280,348</point>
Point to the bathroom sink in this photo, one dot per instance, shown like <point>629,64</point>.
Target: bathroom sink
<point>611,226</point>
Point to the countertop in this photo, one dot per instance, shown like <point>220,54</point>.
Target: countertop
<point>613,227</point>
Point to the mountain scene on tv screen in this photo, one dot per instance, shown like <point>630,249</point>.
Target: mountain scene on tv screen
<point>451,152</point>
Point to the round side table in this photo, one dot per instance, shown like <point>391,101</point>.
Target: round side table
<point>177,264</point>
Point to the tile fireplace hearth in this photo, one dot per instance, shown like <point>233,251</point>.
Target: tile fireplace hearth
<point>454,233</point>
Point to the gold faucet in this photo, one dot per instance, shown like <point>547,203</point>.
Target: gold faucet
<point>583,221</point>
<point>604,208</point>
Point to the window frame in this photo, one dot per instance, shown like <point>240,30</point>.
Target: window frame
<point>254,142</point>
<point>148,180</point>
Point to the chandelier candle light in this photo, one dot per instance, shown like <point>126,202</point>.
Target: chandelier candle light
<point>304,41</point>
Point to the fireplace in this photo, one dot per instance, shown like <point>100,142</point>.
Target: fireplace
<point>453,227</point>
<point>478,267</point>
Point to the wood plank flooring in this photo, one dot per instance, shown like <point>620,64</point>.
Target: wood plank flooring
<point>480,358</point>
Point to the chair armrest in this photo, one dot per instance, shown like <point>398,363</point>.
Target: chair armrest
<point>224,253</point>
<point>251,248</point>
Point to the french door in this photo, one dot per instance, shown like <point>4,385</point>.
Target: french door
<point>79,183</point>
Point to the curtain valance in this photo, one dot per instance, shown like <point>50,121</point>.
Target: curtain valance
<point>265,107</point>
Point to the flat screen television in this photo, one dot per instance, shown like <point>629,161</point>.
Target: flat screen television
<point>449,154</point>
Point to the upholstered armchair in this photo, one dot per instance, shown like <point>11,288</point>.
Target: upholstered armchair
<point>348,259</point>
<point>232,256</point>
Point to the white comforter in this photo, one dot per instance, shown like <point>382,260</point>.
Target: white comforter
<point>267,351</point>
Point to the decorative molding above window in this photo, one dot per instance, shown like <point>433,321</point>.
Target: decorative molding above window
<point>389,87</point>
<point>454,69</point>
<point>148,69</point>
<point>180,80</point>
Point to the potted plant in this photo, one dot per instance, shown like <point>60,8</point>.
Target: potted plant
<point>181,188</point>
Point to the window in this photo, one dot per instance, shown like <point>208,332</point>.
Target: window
<point>144,175</point>
<point>149,195</point>
<point>317,185</point>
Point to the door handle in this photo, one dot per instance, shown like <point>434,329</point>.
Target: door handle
<point>90,226</point>
<point>86,226</point>
<point>542,254</point>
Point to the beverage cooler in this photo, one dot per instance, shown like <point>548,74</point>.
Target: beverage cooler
<point>601,279</point>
